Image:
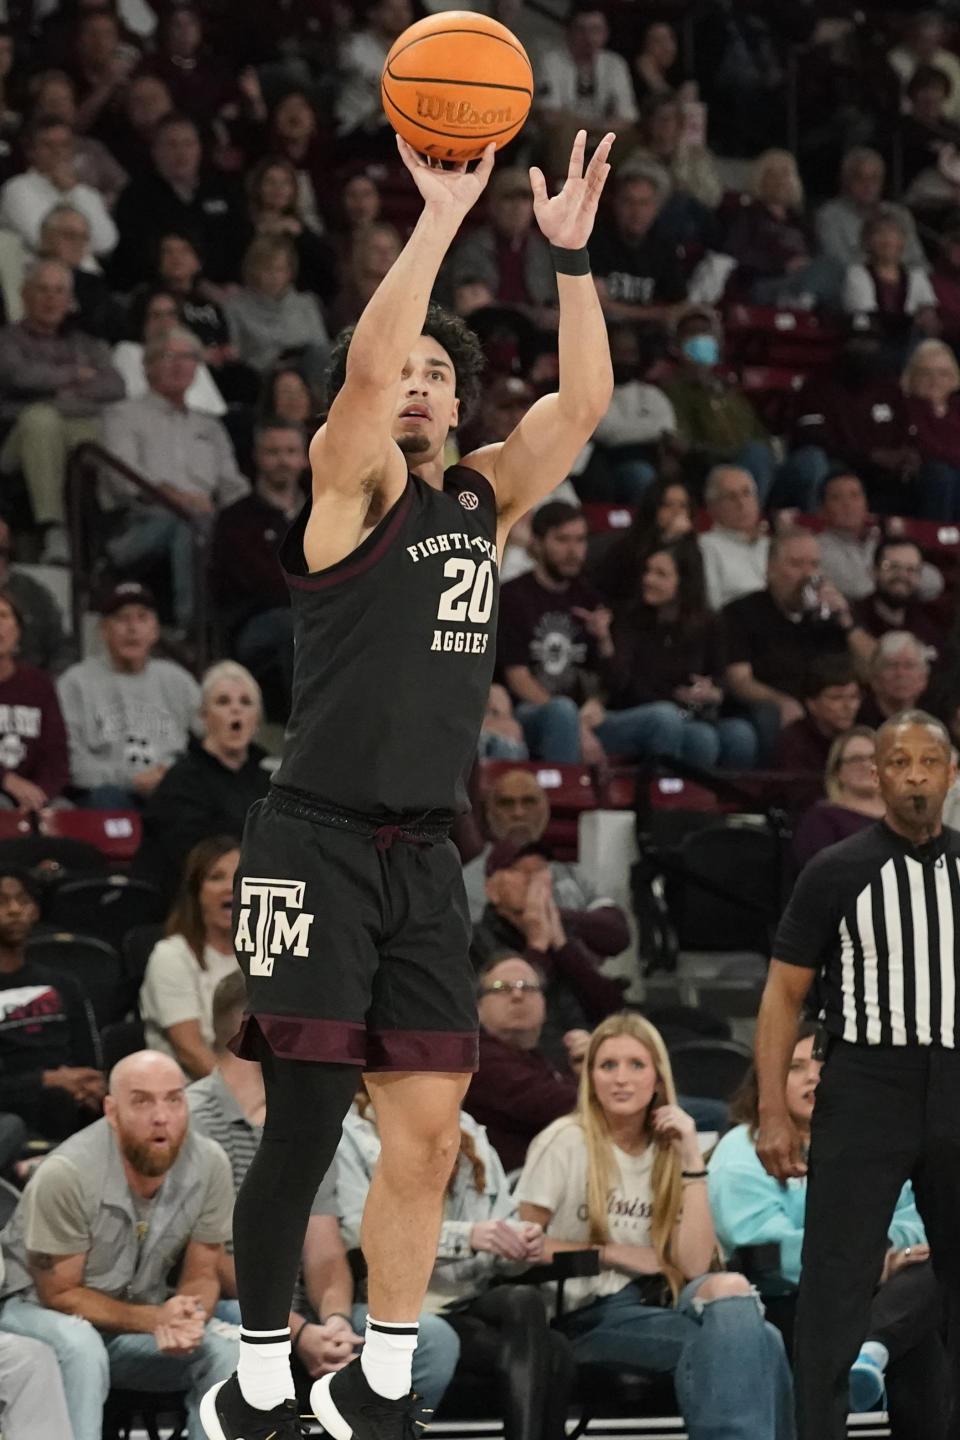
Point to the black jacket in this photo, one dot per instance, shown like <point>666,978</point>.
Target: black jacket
<point>45,1021</point>
<point>198,797</point>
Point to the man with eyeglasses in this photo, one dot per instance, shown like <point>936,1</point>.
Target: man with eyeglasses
<point>517,1089</point>
<point>65,236</point>
<point>895,603</point>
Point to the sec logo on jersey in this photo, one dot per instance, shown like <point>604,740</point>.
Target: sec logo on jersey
<point>468,500</point>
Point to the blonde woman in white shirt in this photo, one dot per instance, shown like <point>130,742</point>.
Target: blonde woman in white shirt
<point>624,1176</point>
<point>186,966</point>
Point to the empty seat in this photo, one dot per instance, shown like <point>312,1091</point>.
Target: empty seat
<point>116,833</point>
<point>710,1068</point>
<point>106,906</point>
<point>123,1037</point>
<point>52,856</point>
<point>93,963</point>
<point>136,948</point>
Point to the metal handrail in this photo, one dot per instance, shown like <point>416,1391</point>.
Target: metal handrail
<point>83,473</point>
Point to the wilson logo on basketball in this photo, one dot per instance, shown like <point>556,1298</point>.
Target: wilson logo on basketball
<point>458,112</point>
<point>468,500</point>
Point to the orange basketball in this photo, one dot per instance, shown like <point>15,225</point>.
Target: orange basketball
<point>455,81</point>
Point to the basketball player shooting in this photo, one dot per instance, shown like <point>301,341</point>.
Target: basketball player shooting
<point>351,919</point>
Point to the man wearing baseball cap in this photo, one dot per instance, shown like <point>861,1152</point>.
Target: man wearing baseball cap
<point>127,714</point>
<point>716,423</point>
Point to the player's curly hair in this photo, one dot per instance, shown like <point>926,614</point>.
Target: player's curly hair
<point>456,337</point>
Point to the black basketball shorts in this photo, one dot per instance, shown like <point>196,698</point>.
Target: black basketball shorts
<point>354,940</point>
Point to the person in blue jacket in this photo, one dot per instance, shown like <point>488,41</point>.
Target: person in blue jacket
<point>902,1354</point>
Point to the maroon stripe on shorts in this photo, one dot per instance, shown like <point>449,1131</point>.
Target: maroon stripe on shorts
<point>297,1037</point>
<point>419,1050</point>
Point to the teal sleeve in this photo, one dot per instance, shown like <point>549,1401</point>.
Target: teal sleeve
<point>749,1207</point>
<point>906,1227</point>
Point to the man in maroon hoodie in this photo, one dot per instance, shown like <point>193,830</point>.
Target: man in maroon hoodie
<point>831,700</point>
<point>517,1090</point>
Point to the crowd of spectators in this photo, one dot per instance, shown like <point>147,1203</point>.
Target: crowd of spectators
<point>749,568</point>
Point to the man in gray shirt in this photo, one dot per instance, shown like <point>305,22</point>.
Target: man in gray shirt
<point>127,715</point>
<point>840,221</point>
<point>99,1229</point>
<point>53,385</point>
<point>849,538</point>
<point>735,551</point>
<point>186,454</point>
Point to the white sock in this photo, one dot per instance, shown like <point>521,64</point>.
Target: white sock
<point>387,1356</point>
<point>876,1351</point>
<point>263,1369</point>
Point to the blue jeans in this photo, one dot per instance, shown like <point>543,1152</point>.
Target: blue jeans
<point>551,730</point>
<point>938,492</point>
<point>109,797</point>
<point>151,533</point>
<point>662,728</point>
<point>801,479</point>
<point>729,1367</point>
<point>767,722</point>
<point>434,1360</point>
<point>822,278</point>
<point>758,458</point>
<point>491,746</point>
<point>628,474</point>
<point>266,640</point>
<point>91,1363</point>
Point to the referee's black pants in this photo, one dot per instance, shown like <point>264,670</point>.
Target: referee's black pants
<point>884,1115</point>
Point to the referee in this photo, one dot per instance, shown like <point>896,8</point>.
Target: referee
<point>877,918</point>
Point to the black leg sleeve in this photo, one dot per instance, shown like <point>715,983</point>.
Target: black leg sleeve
<point>306,1103</point>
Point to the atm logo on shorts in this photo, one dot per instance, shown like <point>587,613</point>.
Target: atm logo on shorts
<point>272,921</point>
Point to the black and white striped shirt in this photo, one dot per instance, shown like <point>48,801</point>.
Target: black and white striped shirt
<point>879,919</point>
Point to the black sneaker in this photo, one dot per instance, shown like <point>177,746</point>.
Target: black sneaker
<point>346,1406</point>
<point>225,1415</point>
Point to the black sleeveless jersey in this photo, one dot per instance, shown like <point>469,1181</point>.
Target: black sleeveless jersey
<point>394,653</point>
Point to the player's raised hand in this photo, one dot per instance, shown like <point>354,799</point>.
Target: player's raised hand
<point>451,192</point>
<point>567,219</point>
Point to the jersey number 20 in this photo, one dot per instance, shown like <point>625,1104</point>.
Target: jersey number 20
<point>470,577</point>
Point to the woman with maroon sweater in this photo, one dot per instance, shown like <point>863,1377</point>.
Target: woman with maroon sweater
<point>853,795</point>
<point>667,654</point>
<point>34,763</point>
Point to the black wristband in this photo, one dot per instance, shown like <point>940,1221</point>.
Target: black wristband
<point>693,1174</point>
<point>570,262</point>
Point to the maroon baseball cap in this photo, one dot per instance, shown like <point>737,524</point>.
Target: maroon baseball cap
<point>507,852</point>
<point>127,592</point>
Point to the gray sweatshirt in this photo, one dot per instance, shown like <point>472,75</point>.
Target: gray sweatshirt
<point>262,328</point>
<point>43,367</point>
<point>118,724</point>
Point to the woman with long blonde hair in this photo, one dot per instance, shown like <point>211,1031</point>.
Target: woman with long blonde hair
<point>623,1176</point>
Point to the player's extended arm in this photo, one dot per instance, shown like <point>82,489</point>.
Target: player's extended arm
<point>354,448</point>
<point>534,459</point>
